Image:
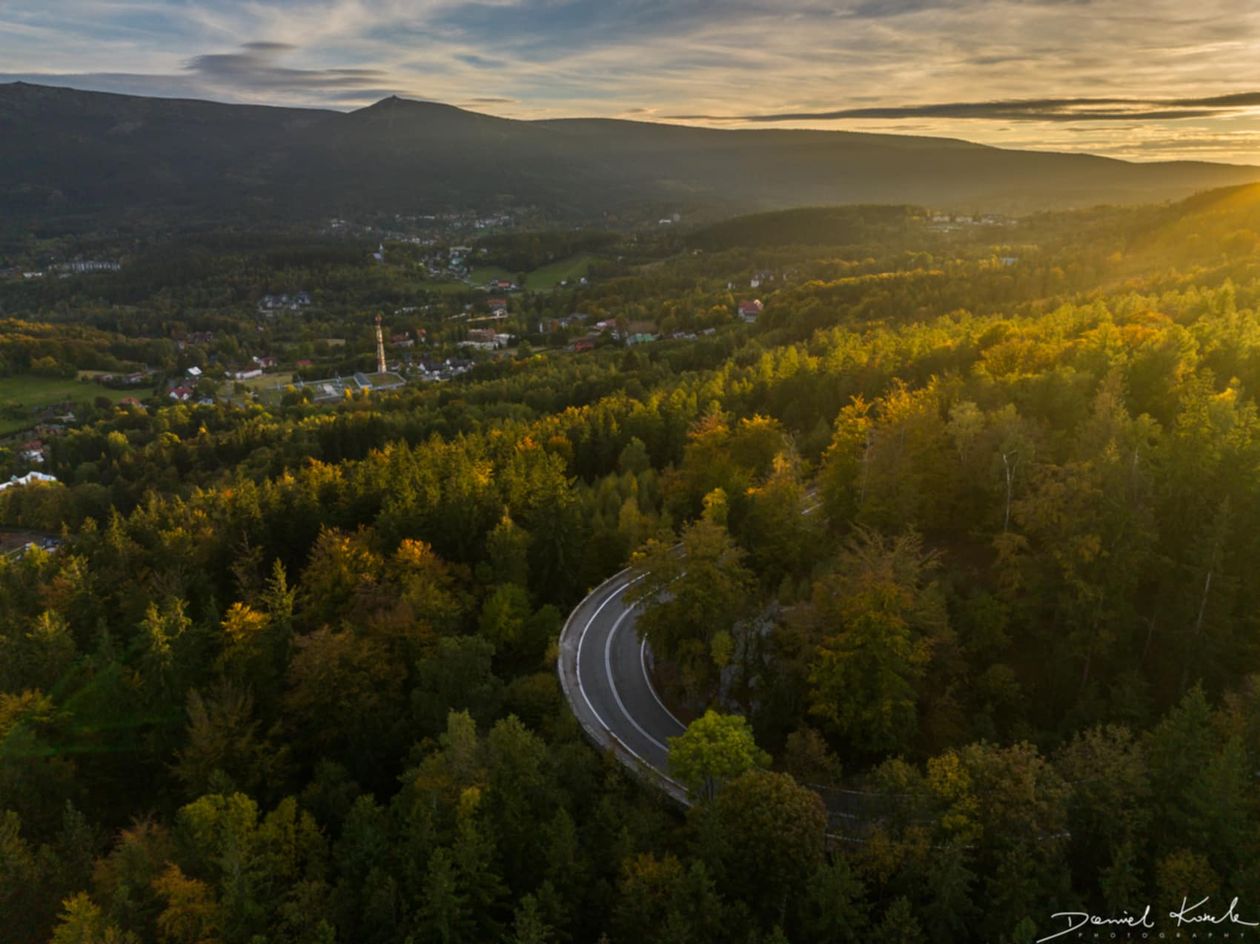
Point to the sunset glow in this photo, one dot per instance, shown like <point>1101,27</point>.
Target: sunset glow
<point>1158,79</point>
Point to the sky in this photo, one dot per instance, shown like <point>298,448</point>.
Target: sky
<point>1137,79</point>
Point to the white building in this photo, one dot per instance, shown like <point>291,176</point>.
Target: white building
<point>30,478</point>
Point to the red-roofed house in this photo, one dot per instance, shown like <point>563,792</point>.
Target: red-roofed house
<point>749,310</point>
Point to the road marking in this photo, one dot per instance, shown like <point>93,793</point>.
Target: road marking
<point>577,668</point>
<point>611,593</point>
<point>577,671</point>
<point>647,677</point>
<point>612,682</point>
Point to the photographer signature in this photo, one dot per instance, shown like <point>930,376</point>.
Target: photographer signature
<point>1187,914</point>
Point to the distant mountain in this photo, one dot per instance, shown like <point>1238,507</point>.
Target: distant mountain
<point>94,157</point>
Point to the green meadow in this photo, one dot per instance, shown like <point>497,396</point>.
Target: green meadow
<point>24,396</point>
<point>564,270</point>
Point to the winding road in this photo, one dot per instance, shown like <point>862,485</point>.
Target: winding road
<point>604,671</point>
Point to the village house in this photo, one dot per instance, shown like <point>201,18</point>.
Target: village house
<point>80,267</point>
<point>118,381</point>
<point>274,303</point>
<point>486,339</point>
<point>51,430</point>
<point>750,310</point>
<point>434,370</point>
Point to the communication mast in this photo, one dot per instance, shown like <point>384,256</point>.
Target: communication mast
<point>380,346</point>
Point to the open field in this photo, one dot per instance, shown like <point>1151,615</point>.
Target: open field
<point>23,396</point>
<point>549,276</point>
<point>542,279</point>
<point>268,388</point>
<point>480,276</point>
<point>266,381</point>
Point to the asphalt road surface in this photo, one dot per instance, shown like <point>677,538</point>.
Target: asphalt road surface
<point>603,669</point>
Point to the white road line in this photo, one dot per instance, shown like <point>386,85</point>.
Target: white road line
<point>647,677</point>
<point>577,669</point>
<point>610,595</point>
<point>612,682</point>
<point>577,672</point>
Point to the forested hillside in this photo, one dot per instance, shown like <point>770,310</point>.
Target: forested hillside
<point>290,675</point>
<point>72,161</point>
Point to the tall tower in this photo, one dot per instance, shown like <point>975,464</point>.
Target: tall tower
<point>380,346</point>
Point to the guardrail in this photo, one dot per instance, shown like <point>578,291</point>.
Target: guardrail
<point>844,806</point>
<point>595,730</point>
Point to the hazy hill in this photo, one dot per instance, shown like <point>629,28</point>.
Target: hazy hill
<point>816,226</point>
<point>66,151</point>
<point>95,156</point>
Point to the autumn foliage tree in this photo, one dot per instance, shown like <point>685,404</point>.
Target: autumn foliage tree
<point>695,599</point>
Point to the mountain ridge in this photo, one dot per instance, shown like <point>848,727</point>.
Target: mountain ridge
<point>98,157</point>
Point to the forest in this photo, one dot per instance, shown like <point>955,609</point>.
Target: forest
<point>962,603</point>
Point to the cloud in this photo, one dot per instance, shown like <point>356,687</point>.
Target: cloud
<point>253,73</point>
<point>1239,100</point>
<point>479,62</point>
<point>1043,109</point>
<point>265,47</point>
<point>255,67</point>
<point>542,29</point>
<point>1051,74</point>
<point>892,8</point>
